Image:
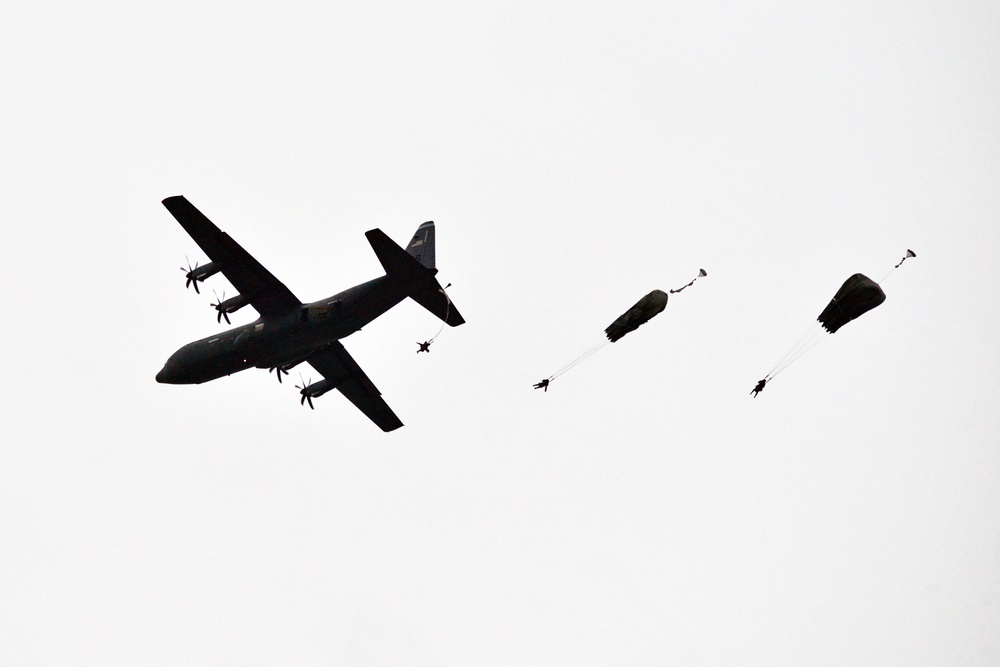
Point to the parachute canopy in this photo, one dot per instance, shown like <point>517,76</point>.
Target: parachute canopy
<point>643,311</point>
<point>856,296</point>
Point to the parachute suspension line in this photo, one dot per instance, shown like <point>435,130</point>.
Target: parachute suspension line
<point>447,311</point>
<point>909,254</point>
<point>810,338</point>
<point>595,345</point>
<point>701,274</point>
<point>799,344</point>
<point>593,348</point>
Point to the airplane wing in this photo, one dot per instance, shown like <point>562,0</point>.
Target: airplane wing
<point>266,294</point>
<point>336,365</point>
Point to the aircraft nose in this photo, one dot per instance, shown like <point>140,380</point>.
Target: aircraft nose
<point>166,374</point>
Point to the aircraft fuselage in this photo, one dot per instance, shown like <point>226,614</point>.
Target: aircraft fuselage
<point>282,341</point>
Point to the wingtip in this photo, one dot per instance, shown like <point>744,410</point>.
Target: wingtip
<point>173,200</point>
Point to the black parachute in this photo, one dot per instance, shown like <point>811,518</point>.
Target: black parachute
<point>643,311</point>
<point>856,296</point>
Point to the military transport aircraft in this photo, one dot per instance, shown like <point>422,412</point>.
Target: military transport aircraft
<point>289,332</point>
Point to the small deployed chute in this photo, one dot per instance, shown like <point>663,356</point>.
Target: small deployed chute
<point>909,253</point>
<point>856,296</point>
<point>643,311</point>
<point>701,274</point>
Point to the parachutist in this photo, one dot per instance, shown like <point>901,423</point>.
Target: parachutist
<point>544,385</point>
<point>424,347</point>
<point>759,388</point>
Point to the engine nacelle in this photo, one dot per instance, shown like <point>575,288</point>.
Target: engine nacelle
<point>200,273</point>
<point>232,305</point>
<point>229,306</point>
<point>317,389</point>
<point>289,365</point>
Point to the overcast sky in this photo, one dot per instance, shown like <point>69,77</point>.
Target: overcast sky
<point>575,156</point>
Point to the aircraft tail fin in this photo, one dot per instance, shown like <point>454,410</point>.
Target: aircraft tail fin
<point>421,246</point>
<point>415,267</point>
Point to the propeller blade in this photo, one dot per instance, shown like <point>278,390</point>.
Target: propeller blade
<point>189,273</point>
<point>218,306</point>
<point>304,390</point>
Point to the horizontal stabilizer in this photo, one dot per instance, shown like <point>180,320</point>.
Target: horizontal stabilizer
<point>435,299</point>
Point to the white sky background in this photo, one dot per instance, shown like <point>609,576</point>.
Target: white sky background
<point>575,156</point>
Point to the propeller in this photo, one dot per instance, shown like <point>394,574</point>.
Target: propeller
<point>279,370</point>
<point>304,390</point>
<point>218,306</point>
<point>190,275</point>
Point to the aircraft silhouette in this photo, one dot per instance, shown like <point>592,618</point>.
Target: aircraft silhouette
<point>289,332</point>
